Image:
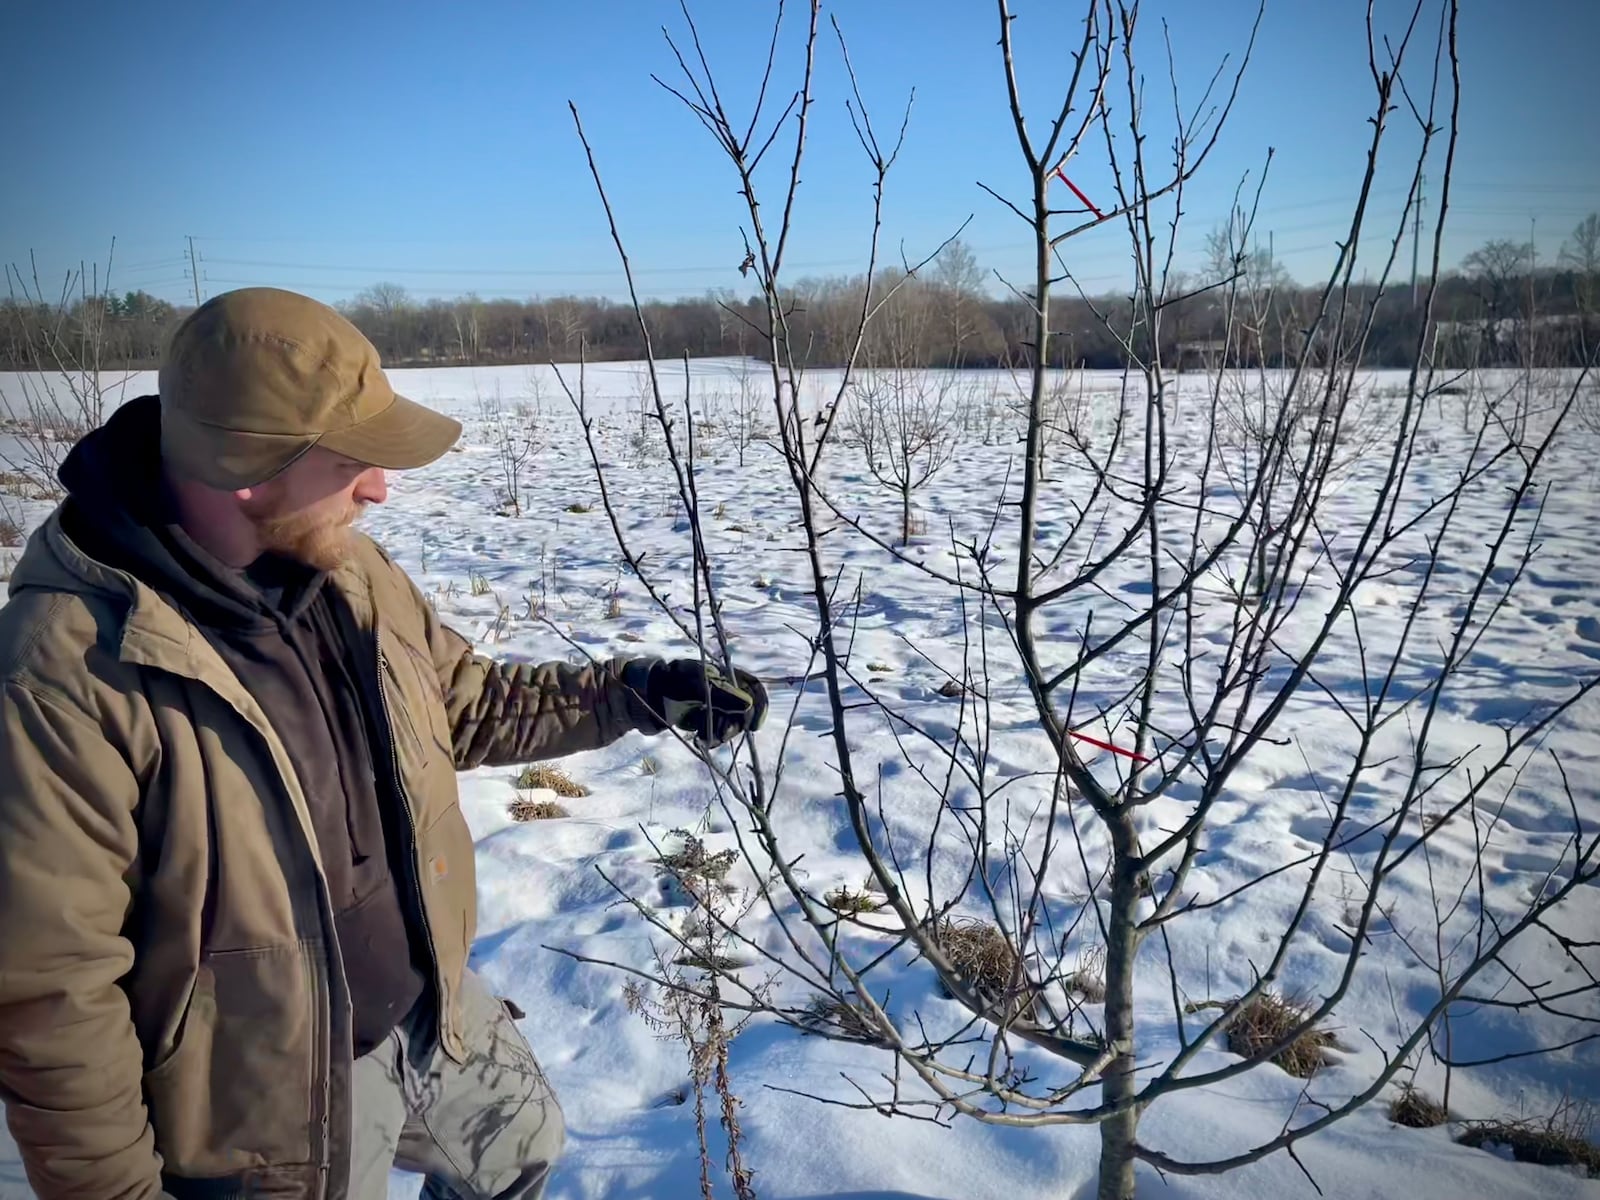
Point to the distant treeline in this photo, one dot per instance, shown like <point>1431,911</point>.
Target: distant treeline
<point>1495,311</point>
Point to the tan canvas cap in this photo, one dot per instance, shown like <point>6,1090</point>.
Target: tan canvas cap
<point>254,378</point>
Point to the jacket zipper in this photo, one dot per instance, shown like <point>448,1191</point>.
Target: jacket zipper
<point>322,1015</point>
<point>321,1004</point>
<point>414,849</point>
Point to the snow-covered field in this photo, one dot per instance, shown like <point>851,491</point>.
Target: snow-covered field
<point>550,583</point>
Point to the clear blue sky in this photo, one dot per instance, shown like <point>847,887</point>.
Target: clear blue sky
<point>326,146</point>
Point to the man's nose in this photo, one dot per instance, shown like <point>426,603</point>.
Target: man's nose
<point>372,487</point>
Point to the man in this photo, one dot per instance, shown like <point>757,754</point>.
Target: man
<point>236,887</point>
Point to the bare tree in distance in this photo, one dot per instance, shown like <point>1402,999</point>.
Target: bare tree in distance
<point>1499,262</point>
<point>64,389</point>
<point>387,309</point>
<point>567,324</point>
<point>958,282</point>
<point>749,405</point>
<point>1103,857</point>
<point>1500,269</point>
<point>1263,434</point>
<point>1581,251</point>
<point>1230,257</point>
<point>517,434</point>
<point>466,316</point>
<point>906,422</point>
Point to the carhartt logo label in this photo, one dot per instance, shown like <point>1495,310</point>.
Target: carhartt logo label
<point>438,867</point>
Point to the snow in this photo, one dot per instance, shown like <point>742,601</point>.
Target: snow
<point>544,884</point>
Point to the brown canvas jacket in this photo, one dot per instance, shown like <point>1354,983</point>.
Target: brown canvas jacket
<point>171,999</point>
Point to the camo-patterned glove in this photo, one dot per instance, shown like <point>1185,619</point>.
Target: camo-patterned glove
<point>699,698</point>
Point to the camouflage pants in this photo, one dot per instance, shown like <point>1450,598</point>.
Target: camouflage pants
<point>489,1127</point>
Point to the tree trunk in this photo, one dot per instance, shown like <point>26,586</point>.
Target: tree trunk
<point>905,516</point>
<point>1120,1083</point>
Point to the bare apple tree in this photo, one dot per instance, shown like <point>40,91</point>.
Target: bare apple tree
<point>1074,938</point>
<point>517,434</point>
<point>749,414</point>
<point>1266,442</point>
<point>906,420</point>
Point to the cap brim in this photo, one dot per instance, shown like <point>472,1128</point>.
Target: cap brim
<point>402,437</point>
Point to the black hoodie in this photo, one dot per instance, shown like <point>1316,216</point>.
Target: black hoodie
<point>294,644</point>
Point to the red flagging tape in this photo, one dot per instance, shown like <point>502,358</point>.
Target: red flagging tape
<point>1084,737</point>
<point>1087,203</point>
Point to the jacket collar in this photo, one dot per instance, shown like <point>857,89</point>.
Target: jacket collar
<point>153,632</point>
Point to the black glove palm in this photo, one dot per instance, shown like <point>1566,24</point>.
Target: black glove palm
<point>699,698</point>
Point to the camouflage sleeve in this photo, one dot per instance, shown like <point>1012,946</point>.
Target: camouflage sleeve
<point>503,712</point>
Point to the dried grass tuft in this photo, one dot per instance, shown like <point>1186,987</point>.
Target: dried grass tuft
<point>843,1020</point>
<point>1565,1138</point>
<point>987,960</point>
<point>525,809</point>
<point>1270,1018</point>
<point>1415,1110</point>
<point>29,486</point>
<point>542,775</point>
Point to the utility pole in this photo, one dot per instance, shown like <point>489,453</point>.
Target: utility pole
<point>194,272</point>
<point>1272,268</point>
<point>1416,238</point>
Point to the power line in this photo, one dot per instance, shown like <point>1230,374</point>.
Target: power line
<point>1085,256</point>
<point>563,272</point>
<point>450,293</point>
<point>484,271</point>
<point>1333,228</point>
<point>153,264</point>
